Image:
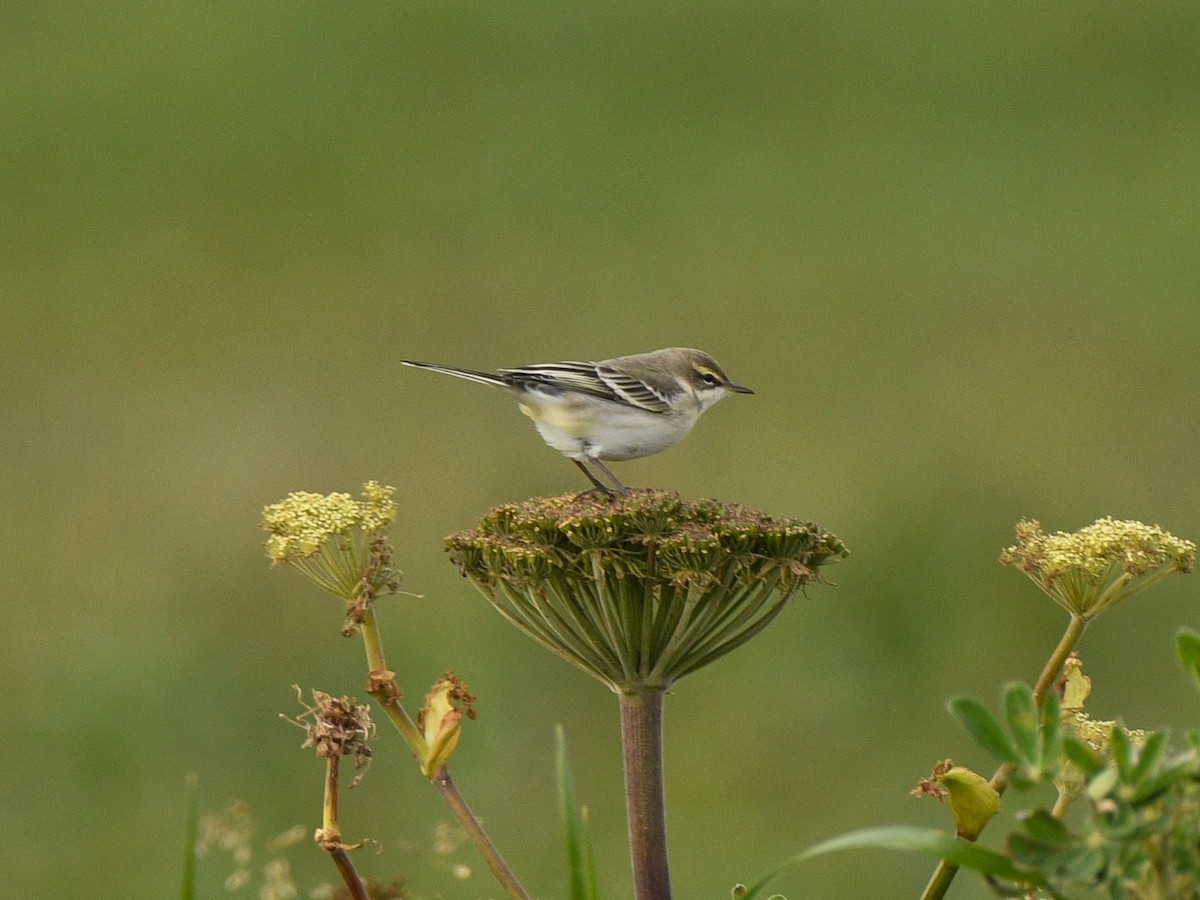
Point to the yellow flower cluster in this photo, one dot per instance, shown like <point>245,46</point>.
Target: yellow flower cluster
<point>1096,567</point>
<point>303,521</point>
<point>1137,548</point>
<point>1097,733</point>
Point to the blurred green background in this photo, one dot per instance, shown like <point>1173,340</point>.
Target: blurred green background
<point>953,247</point>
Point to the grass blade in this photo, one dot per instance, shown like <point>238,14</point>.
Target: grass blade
<point>187,889</point>
<point>581,868</point>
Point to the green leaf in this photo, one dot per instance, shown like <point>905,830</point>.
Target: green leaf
<point>1148,755</point>
<point>581,867</point>
<point>1102,782</point>
<point>1083,756</point>
<point>1122,753</point>
<point>1033,853</point>
<point>1073,861</point>
<point>1021,712</point>
<point>1050,737</point>
<point>909,838</point>
<point>1187,646</point>
<point>1086,864</point>
<point>933,842</point>
<point>1045,828</point>
<point>1181,767</point>
<point>983,727</point>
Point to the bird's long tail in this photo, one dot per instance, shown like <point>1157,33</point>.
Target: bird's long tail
<point>469,374</point>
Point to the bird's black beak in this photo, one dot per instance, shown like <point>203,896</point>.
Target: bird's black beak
<point>737,388</point>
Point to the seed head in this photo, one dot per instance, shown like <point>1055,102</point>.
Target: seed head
<point>643,589</point>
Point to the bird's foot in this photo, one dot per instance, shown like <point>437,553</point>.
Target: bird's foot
<point>604,491</point>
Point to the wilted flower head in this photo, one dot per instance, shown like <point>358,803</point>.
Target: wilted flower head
<point>1090,570</point>
<point>642,590</point>
<point>338,542</point>
<point>338,726</point>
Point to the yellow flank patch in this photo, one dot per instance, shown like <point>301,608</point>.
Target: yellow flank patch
<point>571,419</point>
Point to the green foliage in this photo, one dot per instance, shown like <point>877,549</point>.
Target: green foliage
<point>1033,741</point>
<point>1134,820</point>
<point>982,726</point>
<point>1126,823</point>
<point>933,842</point>
<point>1138,833</point>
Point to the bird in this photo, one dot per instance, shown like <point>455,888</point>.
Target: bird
<point>615,409</point>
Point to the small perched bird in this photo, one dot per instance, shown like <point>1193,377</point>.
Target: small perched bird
<point>621,408</point>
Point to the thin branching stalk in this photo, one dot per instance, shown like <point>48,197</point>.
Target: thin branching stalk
<point>382,686</point>
<point>354,884</point>
<point>470,824</point>
<point>1054,665</point>
<point>330,836</point>
<point>341,544</point>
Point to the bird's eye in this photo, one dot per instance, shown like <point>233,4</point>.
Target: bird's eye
<point>710,379</point>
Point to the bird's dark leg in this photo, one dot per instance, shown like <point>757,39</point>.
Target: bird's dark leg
<point>621,489</point>
<point>600,485</point>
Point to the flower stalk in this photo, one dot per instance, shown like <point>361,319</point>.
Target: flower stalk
<point>645,804</point>
<point>639,591</point>
<point>1086,572</point>
<point>337,727</point>
<point>341,545</point>
<point>330,835</point>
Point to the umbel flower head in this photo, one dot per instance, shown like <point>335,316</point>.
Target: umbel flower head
<point>642,590</point>
<point>1090,570</point>
<point>337,542</point>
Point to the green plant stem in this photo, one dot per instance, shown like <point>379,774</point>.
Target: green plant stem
<point>939,882</point>
<point>1051,672</point>
<point>470,824</point>
<point>382,686</point>
<point>1054,665</point>
<point>330,835</point>
<point>331,829</point>
<point>1060,804</point>
<point>641,742</point>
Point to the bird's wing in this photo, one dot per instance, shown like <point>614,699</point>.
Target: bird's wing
<point>558,378</point>
<point>587,378</point>
<point>633,391</point>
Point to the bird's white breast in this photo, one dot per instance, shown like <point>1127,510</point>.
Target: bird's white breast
<point>581,427</point>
